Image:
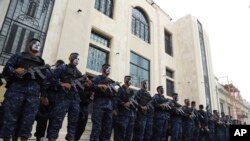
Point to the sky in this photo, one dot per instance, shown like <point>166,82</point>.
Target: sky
<point>227,23</point>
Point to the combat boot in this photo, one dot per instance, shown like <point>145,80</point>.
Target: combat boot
<point>51,139</point>
<point>15,138</point>
<point>24,139</point>
<point>38,139</point>
<point>6,139</point>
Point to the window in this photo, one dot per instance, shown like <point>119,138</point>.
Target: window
<point>204,64</point>
<point>169,73</point>
<point>25,19</point>
<point>97,56</point>
<point>99,39</point>
<point>104,6</point>
<point>168,44</point>
<point>139,69</point>
<point>140,26</point>
<point>169,82</point>
<point>170,87</point>
<point>229,110</point>
<point>221,107</point>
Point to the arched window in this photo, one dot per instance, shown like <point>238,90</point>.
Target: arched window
<point>104,6</point>
<point>140,25</point>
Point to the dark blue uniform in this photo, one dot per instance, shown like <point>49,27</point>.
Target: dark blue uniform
<point>45,112</point>
<point>67,101</point>
<point>176,122</point>
<point>204,124</point>
<point>211,127</point>
<point>83,114</point>
<point>196,127</point>
<point>144,119</point>
<point>125,116</point>
<point>220,129</point>
<point>187,123</point>
<point>22,96</point>
<point>161,117</point>
<point>103,105</point>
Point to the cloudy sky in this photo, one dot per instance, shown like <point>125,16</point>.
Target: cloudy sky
<point>227,23</point>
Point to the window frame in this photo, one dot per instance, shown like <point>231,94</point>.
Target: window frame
<point>140,67</point>
<point>99,46</point>
<point>99,4</point>
<point>169,44</point>
<point>137,25</point>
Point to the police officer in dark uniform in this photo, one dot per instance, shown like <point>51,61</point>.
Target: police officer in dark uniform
<point>126,112</point>
<point>176,119</point>
<point>196,120</point>
<point>86,97</point>
<point>211,125</point>
<point>220,135</point>
<point>103,105</point>
<point>161,115</point>
<point>67,100</point>
<point>187,121</point>
<point>204,123</point>
<point>45,110</point>
<point>21,101</point>
<point>144,118</point>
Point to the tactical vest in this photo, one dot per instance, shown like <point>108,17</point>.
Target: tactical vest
<point>27,61</point>
<point>145,98</point>
<point>109,91</point>
<point>129,93</point>
<point>71,73</point>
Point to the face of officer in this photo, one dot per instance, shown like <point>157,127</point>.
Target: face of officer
<point>175,97</point>
<point>187,102</point>
<point>160,90</point>
<point>144,85</point>
<point>193,105</point>
<point>74,59</point>
<point>35,46</point>
<point>127,80</point>
<point>108,70</point>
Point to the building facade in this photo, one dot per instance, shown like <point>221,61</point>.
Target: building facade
<point>231,103</point>
<point>136,37</point>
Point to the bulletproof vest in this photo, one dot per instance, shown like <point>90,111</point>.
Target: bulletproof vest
<point>187,110</point>
<point>161,99</point>
<point>27,61</point>
<point>145,98</point>
<point>129,93</point>
<point>109,92</point>
<point>175,106</point>
<point>71,73</point>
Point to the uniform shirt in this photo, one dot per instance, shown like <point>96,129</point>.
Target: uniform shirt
<point>124,94</point>
<point>143,98</point>
<point>22,85</point>
<point>203,118</point>
<point>101,99</point>
<point>159,112</point>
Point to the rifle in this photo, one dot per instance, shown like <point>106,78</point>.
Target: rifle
<point>33,71</point>
<point>111,90</point>
<point>166,105</point>
<point>177,108</point>
<point>77,83</point>
<point>146,100</point>
<point>193,114</point>
<point>133,102</point>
